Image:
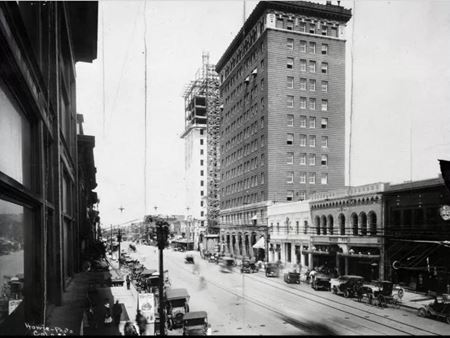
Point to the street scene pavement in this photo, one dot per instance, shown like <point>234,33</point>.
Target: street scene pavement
<point>252,304</point>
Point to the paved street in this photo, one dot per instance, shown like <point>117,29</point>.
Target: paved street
<point>253,304</point>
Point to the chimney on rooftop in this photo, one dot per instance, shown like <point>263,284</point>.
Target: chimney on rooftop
<point>328,2</point>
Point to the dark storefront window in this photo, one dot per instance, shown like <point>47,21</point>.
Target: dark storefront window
<point>15,134</point>
<point>13,221</point>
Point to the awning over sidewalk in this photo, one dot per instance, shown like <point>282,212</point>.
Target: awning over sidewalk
<point>260,244</point>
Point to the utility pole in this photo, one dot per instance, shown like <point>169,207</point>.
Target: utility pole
<point>111,242</point>
<point>119,239</point>
<point>162,234</point>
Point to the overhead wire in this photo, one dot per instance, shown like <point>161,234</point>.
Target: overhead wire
<point>114,107</point>
<point>103,72</point>
<point>145,108</point>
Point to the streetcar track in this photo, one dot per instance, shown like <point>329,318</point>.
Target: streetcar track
<point>288,289</point>
<point>283,288</point>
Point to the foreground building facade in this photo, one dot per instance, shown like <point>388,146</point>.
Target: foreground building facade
<point>40,245</point>
<point>282,133</point>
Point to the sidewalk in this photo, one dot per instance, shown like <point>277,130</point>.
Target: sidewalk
<point>70,314</point>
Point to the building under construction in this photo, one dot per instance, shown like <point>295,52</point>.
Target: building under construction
<point>201,133</point>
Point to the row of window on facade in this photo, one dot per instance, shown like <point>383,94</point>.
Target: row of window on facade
<point>236,110</point>
<point>312,65</point>
<point>303,100</point>
<point>303,175</point>
<point>303,156</point>
<point>303,138</point>
<point>243,151</point>
<point>248,199</point>
<point>242,185</point>
<point>304,82</point>
<point>311,27</point>
<point>362,224</point>
<point>303,120</point>
<point>304,46</point>
<point>246,133</point>
<point>241,169</point>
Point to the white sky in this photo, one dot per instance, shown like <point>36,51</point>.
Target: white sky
<point>401,84</point>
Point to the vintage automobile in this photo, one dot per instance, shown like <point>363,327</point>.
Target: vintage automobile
<point>272,270</point>
<point>226,264</point>
<point>292,277</point>
<point>196,324</point>
<point>189,259</point>
<point>177,304</point>
<point>345,285</point>
<point>213,258</point>
<point>249,266</point>
<point>437,309</point>
<point>380,292</point>
<point>321,282</point>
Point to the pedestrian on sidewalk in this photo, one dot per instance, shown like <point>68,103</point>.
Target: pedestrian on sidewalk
<point>141,322</point>
<point>107,319</point>
<point>117,312</point>
<point>128,282</point>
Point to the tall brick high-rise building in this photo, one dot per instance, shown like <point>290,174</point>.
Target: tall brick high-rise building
<point>283,120</point>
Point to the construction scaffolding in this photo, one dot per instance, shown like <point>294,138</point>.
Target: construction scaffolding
<point>203,108</point>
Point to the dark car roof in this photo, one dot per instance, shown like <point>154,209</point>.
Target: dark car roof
<point>176,294</point>
<point>351,277</point>
<point>195,315</point>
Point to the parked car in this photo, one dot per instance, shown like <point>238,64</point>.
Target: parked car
<point>381,291</point>
<point>249,266</point>
<point>292,277</point>
<point>177,303</point>
<point>272,270</point>
<point>437,309</point>
<point>321,282</point>
<point>345,285</point>
<point>195,323</point>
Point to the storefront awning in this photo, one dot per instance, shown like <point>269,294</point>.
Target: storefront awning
<point>260,244</point>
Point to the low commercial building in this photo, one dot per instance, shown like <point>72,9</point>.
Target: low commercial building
<point>347,233</point>
<point>417,230</point>
<point>289,225</point>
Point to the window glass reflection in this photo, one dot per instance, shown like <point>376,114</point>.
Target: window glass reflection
<point>14,142</point>
<point>12,219</point>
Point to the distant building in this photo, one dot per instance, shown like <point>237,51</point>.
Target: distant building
<point>282,133</point>
<point>201,147</point>
<point>40,215</point>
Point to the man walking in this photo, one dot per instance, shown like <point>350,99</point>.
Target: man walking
<point>141,322</point>
<point>128,282</point>
<point>117,312</point>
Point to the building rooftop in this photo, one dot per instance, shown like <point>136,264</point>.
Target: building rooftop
<point>328,11</point>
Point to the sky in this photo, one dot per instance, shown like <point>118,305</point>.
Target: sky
<point>397,93</point>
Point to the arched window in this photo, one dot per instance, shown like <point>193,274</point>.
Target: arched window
<point>330,224</point>
<point>372,223</point>
<point>342,224</point>
<point>355,224</point>
<point>324,225</point>
<point>317,224</point>
<point>363,223</point>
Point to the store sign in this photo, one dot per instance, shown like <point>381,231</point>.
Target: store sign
<point>13,304</point>
<point>147,306</point>
<point>445,212</point>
